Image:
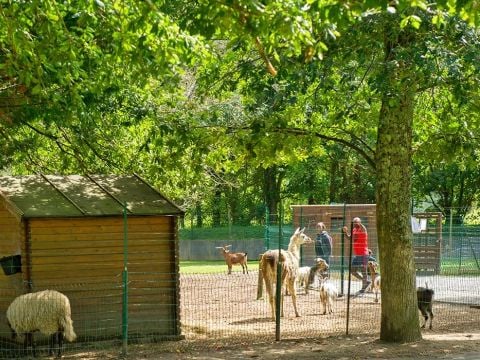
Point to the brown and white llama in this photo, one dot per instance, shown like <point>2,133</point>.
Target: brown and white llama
<point>289,261</point>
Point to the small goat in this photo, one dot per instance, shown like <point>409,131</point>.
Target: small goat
<point>234,258</point>
<point>328,294</point>
<point>375,277</point>
<point>306,274</point>
<point>424,299</point>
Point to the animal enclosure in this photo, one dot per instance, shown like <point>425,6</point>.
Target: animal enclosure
<point>79,235</point>
<point>216,306</point>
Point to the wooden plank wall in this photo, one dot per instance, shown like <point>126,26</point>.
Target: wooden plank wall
<point>427,255</point>
<point>332,215</point>
<point>428,245</point>
<point>84,258</point>
<point>11,235</point>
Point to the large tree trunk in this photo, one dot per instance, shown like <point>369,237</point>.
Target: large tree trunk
<point>399,319</point>
<point>271,190</point>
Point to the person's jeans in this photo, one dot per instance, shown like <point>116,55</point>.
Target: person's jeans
<point>359,269</point>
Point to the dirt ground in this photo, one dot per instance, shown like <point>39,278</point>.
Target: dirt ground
<point>218,306</point>
<point>222,319</point>
<point>434,345</point>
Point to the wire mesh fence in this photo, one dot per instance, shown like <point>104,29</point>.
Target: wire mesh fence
<point>446,259</point>
<point>164,299</point>
<point>216,306</point>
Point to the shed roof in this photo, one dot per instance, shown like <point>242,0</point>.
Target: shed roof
<point>76,196</point>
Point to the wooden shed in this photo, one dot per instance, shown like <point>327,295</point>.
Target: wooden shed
<point>71,234</point>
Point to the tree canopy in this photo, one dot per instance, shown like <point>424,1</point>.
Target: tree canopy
<point>239,103</point>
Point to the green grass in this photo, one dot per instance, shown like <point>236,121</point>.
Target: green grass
<point>211,267</point>
<point>449,267</point>
<point>454,267</point>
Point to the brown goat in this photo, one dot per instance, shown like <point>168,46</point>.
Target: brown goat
<point>289,260</point>
<point>234,258</point>
<point>375,277</point>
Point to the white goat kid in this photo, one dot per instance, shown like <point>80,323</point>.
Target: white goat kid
<point>289,261</point>
<point>328,294</point>
<point>234,258</point>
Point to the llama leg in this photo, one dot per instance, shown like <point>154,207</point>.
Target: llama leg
<point>272,306</point>
<point>282,297</point>
<point>268,275</point>
<point>229,269</point>
<point>294,297</point>
<point>271,300</point>
<point>431,318</point>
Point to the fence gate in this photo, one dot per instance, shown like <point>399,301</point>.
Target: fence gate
<point>427,242</point>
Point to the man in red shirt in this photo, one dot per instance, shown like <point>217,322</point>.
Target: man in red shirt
<point>360,252</point>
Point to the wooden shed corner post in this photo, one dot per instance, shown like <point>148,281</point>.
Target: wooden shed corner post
<point>27,250</point>
<point>125,284</point>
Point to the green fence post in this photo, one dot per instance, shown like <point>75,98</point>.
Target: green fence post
<point>278,292</point>
<point>125,284</point>
<point>349,278</point>
<point>342,255</point>
<point>300,223</point>
<point>266,244</point>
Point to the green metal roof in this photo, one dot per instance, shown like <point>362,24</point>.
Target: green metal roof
<point>77,196</point>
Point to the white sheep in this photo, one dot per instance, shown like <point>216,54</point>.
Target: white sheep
<point>47,311</point>
<point>328,294</point>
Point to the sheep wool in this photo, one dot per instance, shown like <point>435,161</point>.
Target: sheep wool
<point>47,311</point>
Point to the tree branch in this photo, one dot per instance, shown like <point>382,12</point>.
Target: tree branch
<point>358,149</point>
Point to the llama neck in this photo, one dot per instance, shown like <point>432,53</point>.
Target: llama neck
<point>295,250</point>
